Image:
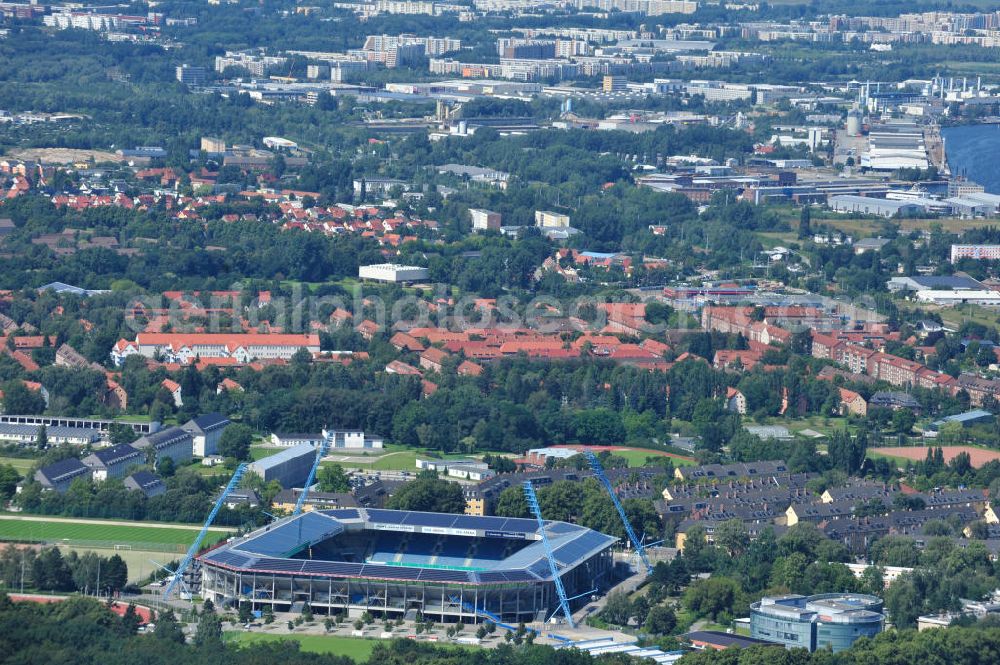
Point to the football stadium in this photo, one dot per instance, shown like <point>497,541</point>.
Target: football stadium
<point>395,564</point>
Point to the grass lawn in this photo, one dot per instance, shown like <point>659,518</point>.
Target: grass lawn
<point>638,457</point>
<point>356,648</point>
<point>352,647</point>
<point>85,533</point>
<point>19,463</point>
<point>899,461</point>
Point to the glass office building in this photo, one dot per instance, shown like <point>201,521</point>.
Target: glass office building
<point>816,622</point>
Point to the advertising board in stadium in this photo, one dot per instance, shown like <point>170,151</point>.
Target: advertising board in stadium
<point>444,531</point>
<point>408,528</point>
<point>505,534</point>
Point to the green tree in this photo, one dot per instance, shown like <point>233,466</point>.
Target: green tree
<point>805,223</point>
<point>511,503</point>
<point>430,495</point>
<point>9,477</point>
<point>661,620</point>
<point>732,537</point>
<point>235,441</point>
<point>209,632</point>
<point>114,573</point>
<point>19,399</point>
<point>333,479</point>
<point>617,609</point>
<point>713,597</point>
<point>168,628</point>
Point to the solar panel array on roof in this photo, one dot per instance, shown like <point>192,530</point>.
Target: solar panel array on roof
<point>280,565</point>
<point>291,536</point>
<point>391,572</point>
<point>435,575</point>
<point>540,569</point>
<point>516,525</point>
<point>268,550</point>
<point>492,576</point>
<point>519,524</point>
<point>333,568</point>
<point>228,558</point>
<point>343,514</point>
<point>580,547</point>
<point>561,527</point>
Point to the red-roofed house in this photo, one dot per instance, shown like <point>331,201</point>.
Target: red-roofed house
<point>399,367</point>
<point>469,368</point>
<point>405,342</point>
<point>228,385</point>
<point>735,401</point>
<point>432,359</point>
<point>852,403</point>
<point>174,389</point>
<point>114,395</point>
<point>739,360</point>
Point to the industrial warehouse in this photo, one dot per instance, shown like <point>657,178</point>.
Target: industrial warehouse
<point>396,564</point>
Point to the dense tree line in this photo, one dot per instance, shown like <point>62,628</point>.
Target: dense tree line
<point>48,570</point>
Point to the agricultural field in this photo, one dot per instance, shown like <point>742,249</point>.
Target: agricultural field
<point>103,534</point>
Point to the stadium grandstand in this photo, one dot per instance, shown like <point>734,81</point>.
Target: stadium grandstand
<point>395,564</point>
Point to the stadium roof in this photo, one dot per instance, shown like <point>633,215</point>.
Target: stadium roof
<point>269,549</point>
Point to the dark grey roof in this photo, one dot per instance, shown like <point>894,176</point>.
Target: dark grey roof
<point>162,439</point>
<point>206,422</point>
<point>144,480</point>
<point>725,640</point>
<point>947,282</point>
<point>63,469</point>
<point>114,455</point>
<point>894,398</point>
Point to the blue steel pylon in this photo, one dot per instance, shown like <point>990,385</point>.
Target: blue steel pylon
<point>532,498</point>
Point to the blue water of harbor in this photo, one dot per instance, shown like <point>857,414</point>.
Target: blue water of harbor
<point>973,151</point>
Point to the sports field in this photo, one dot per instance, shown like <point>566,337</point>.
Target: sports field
<point>977,456</point>
<point>352,647</point>
<point>356,648</point>
<point>635,456</point>
<point>97,533</point>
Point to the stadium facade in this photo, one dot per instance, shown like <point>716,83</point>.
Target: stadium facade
<point>394,564</point>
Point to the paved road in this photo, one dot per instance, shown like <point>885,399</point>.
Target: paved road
<point>76,520</point>
<point>628,585</point>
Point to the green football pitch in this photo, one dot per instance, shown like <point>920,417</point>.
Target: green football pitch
<point>97,534</point>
